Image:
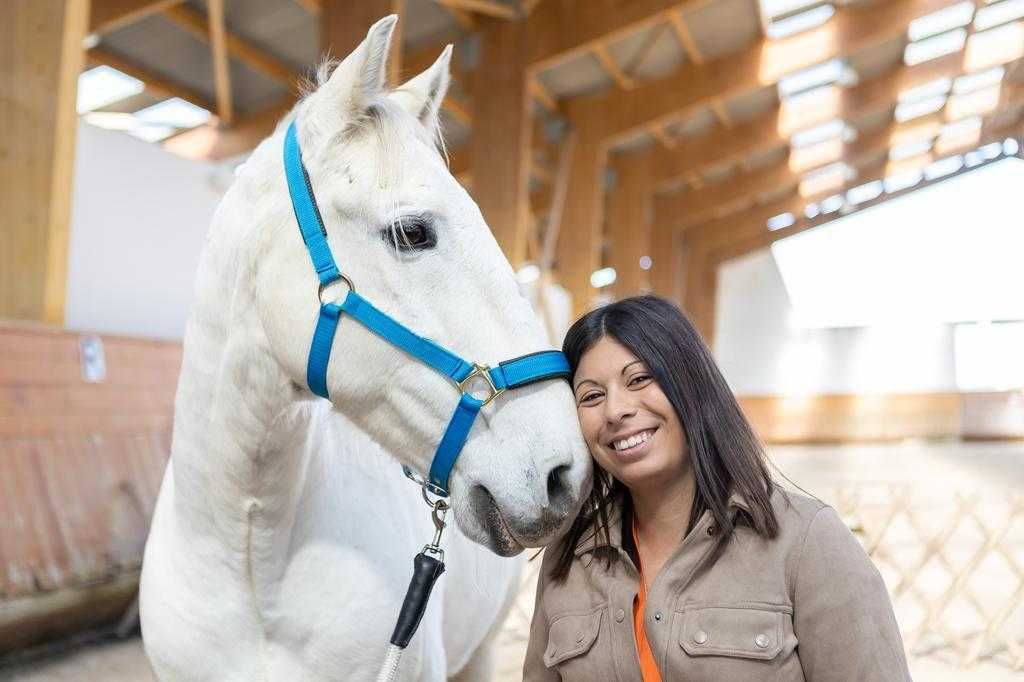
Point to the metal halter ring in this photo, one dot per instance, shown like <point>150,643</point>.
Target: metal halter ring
<point>322,287</point>
<point>482,371</point>
<point>425,487</point>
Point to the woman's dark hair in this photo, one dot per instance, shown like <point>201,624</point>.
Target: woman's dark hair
<point>724,453</point>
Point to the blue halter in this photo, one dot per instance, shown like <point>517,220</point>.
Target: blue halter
<point>527,369</point>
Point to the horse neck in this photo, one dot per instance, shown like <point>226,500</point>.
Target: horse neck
<point>235,407</point>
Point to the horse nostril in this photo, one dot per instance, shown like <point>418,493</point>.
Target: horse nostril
<point>558,488</point>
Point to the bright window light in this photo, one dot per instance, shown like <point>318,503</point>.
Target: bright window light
<point>152,133</point>
<point>865,192</point>
<point>781,221</point>
<point>1011,147</point>
<point>973,158</point>
<point>128,123</point>
<point>932,48</point>
<point>906,111</point>
<point>867,267</point>
<point>105,85</point>
<point>798,23</point>
<point>910,149</point>
<point>999,13</point>
<point>944,20</point>
<point>174,113</point>
<point>995,46</point>
<point>943,167</point>
<point>976,81</point>
<point>811,77</point>
<point>602,278</point>
<point>987,356</point>
<point>902,181</point>
<point>825,131</point>
<point>939,86</point>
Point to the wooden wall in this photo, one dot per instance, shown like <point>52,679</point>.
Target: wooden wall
<point>80,467</point>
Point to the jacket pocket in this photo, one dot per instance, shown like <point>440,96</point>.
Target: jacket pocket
<point>745,631</point>
<point>571,635</point>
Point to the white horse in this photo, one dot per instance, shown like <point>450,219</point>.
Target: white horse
<point>283,537</point>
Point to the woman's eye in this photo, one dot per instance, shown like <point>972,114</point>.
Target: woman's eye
<point>411,234</point>
<point>589,396</point>
<point>638,379</point>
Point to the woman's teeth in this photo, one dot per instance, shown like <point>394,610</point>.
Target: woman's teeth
<point>632,441</point>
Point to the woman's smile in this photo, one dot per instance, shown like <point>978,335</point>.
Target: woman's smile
<point>633,446</point>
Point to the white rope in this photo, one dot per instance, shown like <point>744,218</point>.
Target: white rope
<point>389,670</point>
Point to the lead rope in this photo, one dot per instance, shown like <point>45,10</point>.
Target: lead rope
<point>428,566</point>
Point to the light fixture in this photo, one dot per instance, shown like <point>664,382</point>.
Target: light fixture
<point>941,21</point>
<point>646,262</point>
<point>602,278</point>
<point>932,48</point>
<point>781,221</point>
<point>105,85</point>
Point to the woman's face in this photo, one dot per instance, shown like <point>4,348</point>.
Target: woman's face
<point>627,421</point>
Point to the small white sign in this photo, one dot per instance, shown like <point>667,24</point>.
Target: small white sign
<point>94,364</point>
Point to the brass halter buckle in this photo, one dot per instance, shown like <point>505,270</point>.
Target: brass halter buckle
<point>482,372</point>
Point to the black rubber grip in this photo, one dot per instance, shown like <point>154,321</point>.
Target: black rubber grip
<point>425,572</point>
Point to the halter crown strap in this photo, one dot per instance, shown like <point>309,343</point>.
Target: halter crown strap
<point>514,373</point>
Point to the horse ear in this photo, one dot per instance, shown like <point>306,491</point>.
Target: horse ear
<point>363,74</point>
<point>422,96</point>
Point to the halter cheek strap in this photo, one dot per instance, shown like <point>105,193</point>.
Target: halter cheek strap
<point>509,374</point>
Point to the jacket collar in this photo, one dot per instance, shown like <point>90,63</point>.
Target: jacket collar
<point>591,542</point>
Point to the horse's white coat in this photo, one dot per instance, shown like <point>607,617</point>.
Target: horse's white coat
<point>283,537</point>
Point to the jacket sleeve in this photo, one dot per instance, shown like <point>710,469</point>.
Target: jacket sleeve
<point>534,669</point>
<point>843,618</point>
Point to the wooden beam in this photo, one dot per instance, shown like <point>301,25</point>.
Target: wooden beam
<point>109,15</point>
<point>721,146</point>
<point>157,84</point>
<point>696,86</point>
<point>500,145</point>
<point>685,38</point>
<point>629,222</point>
<point>721,199</point>
<point>611,67</point>
<point>210,143</point>
<point>487,8</point>
<point>221,66</point>
<point>543,95</point>
<point>559,30</point>
<point>344,23</point>
<point>39,72</point>
<point>736,235</point>
<point>197,25</point>
<point>666,263</point>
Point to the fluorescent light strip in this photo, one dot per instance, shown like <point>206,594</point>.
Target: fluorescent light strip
<point>781,221</point>
<point>976,81</point>
<point>910,149</point>
<point>943,167</point>
<point>906,111</point>
<point>798,23</point>
<point>105,85</point>
<point>939,86</point>
<point>811,77</point>
<point>819,133</point>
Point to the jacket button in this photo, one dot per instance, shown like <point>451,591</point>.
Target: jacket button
<point>620,615</point>
<point>761,641</point>
<point>579,638</point>
<point>712,530</point>
<point>700,637</point>
<point>657,616</point>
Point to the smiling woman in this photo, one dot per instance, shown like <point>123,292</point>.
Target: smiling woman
<point>686,531</point>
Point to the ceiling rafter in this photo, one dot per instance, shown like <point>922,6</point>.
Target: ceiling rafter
<point>221,66</point>
<point>109,15</point>
<point>488,8</point>
<point>158,84</point>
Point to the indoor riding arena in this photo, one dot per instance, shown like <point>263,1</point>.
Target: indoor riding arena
<point>830,191</point>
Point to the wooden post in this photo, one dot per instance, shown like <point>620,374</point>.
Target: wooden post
<point>41,57</point>
<point>666,263</point>
<point>580,236</point>
<point>629,222</point>
<point>500,151</point>
<point>344,23</point>
<point>701,291</point>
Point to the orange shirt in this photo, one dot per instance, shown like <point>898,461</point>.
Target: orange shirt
<point>648,668</point>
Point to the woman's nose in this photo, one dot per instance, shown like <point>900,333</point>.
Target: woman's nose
<point>618,407</point>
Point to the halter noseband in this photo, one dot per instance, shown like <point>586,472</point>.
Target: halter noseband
<point>514,373</point>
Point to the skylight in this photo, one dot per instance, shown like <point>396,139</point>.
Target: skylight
<point>825,131</point>
<point>781,221</point>
<point>910,149</point>
<point>973,103</point>
<point>932,48</point>
<point>174,113</point>
<point>811,77</point>
<point>971,272</point>
<point>998,13</point>
<point>995,46</point>
<point>943,167</point>
<point>798,23</point>
<point>944,20</point>
<point>906,111</point>
<point>901,181</point>
<point>865,192</point>
<point>105,85</point>
<point>939,86</point>
<point>976,81</point>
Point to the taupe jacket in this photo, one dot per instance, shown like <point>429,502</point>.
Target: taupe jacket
<point>808,605</point>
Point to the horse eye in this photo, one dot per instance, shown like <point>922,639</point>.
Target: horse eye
<point>411,234</point>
